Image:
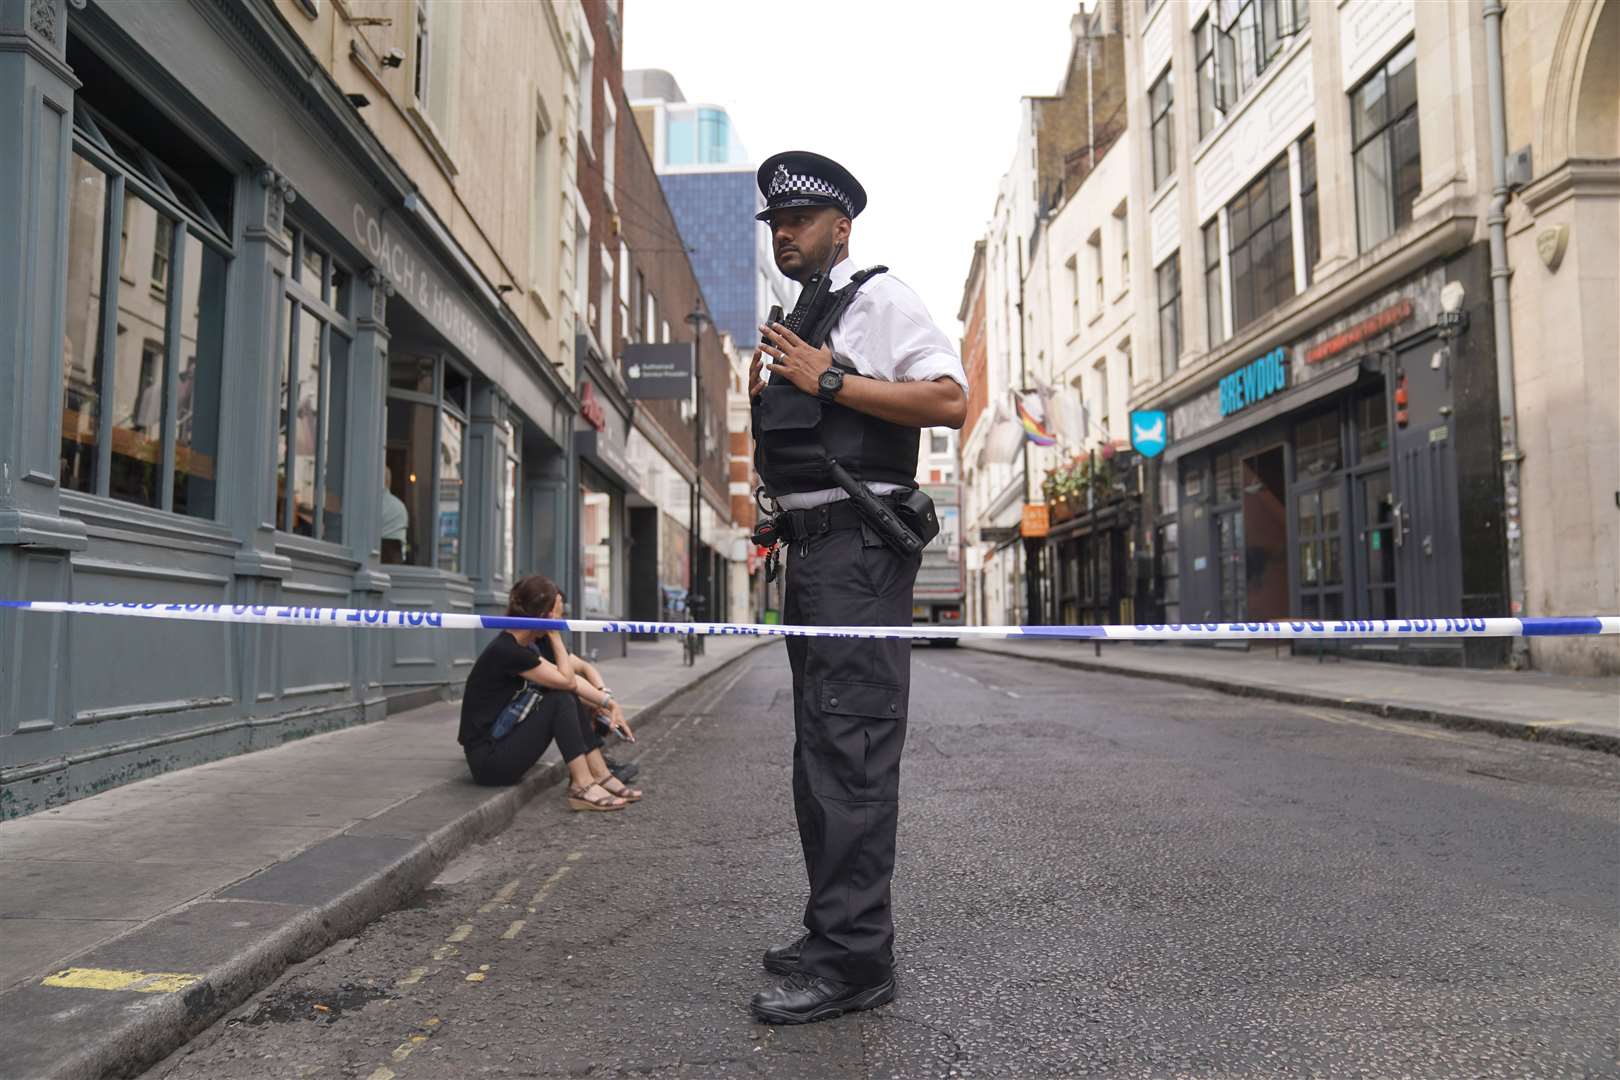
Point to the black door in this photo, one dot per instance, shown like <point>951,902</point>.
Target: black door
<point>1426,531</point>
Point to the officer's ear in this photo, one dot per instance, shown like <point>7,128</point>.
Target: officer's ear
<point>841,229</point>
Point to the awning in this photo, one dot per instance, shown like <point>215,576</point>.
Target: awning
<point>1285,402</point>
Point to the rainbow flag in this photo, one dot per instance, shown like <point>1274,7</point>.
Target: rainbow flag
<point>1034,430</point>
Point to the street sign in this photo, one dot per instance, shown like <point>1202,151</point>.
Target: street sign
<point>1149,432</point>
<point>658,372</point>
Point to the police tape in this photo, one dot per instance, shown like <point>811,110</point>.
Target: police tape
<point>408,619</point>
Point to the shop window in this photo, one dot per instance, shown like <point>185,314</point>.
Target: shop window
<point>1316,445</point>
<point>1161,99</point>
<point>599,508</point>
<point>314,339</point>
<point>1318,529</point>
<point>1214,295</point>
<point>938,443</point>
<point>144,333</point>
<point>1386,155</point>
<point>425,454</point>
<point>1262,248</point>
<point>1310,215</point>
<point>507,494</point>
<point>1372,426</point>
<point>1168,279</point>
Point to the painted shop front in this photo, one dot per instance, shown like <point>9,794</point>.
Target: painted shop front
<point>1347,475</point>
<point>252,368</point>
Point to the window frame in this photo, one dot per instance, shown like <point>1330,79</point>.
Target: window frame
<point>1214,298</point>
<point>1236,244</point>
<point>321,305</point>
<point>1169,358</point>
<point>1161,114</point>
<point>175,201</point>
<point>441,403</point>
<point>1385,132</point>
<point>1310,211</point>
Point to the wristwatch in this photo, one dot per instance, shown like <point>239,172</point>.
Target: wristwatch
<point>830,382</point>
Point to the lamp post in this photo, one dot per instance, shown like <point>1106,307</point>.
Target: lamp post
<point>697,319</point>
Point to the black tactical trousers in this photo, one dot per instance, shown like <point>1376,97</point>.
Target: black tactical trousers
<point>849,725</point>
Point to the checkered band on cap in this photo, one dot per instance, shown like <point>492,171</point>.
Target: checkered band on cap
<point>786,183</point>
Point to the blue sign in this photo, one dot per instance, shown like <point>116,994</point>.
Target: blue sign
<point>1149,432</point>
<point>1255,381</point>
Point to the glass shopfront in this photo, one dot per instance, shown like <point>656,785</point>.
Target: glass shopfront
<point>601,544</point>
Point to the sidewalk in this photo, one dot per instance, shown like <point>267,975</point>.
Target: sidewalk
<point>131,920</point>
<point>1521,704</point>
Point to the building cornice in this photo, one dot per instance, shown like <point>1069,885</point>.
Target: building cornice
<point>1574,178</point>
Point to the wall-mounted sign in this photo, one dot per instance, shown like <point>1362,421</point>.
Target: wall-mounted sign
<point>1149,432</point>
<point>658,372</point>
<point>1255,381</point>
<point>1036,522</point>
<point>1396,313</point>
<point>590,408</point>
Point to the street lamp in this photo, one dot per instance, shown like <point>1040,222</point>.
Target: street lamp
<point>697,319</point>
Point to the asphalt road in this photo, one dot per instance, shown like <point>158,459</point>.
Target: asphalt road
<point>1097,876</point>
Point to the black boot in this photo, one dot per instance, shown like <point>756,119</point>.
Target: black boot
<point>805,999</point>
<point>784,959</point>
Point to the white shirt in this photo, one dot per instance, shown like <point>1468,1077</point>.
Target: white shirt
<point>395,518</point>
<point>885,333</point>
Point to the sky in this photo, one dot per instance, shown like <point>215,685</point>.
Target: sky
<point>919,100</point>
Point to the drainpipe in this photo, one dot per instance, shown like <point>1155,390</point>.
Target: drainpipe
<point>1501,273</point>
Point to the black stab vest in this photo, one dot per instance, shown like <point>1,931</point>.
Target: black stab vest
<point>795,434</point>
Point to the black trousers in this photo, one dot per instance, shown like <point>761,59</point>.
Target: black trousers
<point>560,715</point>
<point>849,726</point>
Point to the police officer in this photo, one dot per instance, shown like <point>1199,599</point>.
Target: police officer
<point>884,373</point>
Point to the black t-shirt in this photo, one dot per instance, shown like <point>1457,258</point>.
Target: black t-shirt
<point>494,679</point>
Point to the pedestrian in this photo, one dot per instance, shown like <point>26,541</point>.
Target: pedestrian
<point>510,663</point>
<point>860,400</point>
<point>594,722</point>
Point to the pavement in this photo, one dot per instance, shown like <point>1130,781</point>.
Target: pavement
<point>1574,711</point>
<point>1097,876</point>
<point>133,919</point>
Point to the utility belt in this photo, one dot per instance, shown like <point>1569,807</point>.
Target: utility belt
<point>905,521</point>
<point>794,525</point>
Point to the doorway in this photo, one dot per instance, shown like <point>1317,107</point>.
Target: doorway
<point>1265,528</point>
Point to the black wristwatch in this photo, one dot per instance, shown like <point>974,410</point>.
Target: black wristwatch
<point>830,382</point>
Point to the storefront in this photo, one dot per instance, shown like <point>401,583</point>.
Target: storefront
<point>1338,476</point>
<point>1088,564</point>
<point>258,371</point>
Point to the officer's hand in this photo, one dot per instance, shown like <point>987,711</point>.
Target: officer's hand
<point>795,361</point>
<point>756,381</point>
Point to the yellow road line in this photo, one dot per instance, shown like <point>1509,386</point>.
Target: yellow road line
<point>445,952</point>
<point>513,930</point>
<point>479,975</point>
<point>1388,728</point>
<point>141,982</point>
<point>413,978</point>
<point>460,933</point>
<point>540,895</point>
<point>502,895</point>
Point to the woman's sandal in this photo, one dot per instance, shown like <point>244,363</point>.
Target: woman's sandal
<point>625,792</point>
<point>578,800</point>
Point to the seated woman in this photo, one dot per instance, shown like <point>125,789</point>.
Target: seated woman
<point>507,663</point>
<point>594,722</point>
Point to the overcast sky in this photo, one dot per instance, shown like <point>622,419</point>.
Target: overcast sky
<point>918,99</point>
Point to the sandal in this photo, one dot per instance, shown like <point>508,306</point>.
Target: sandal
<point>625,791</point>
<point>579,800</point>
